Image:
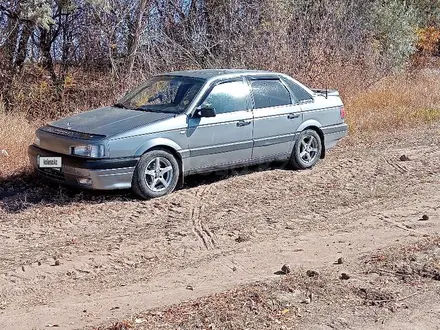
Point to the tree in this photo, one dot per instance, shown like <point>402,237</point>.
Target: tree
<point>395,26</point>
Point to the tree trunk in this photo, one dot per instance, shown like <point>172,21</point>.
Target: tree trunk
<point>17,59</point>
<point>11,41</point>
<point>135,35</point>
<point>45,47</point>
<point>7,66</point>
<point>27,31</point>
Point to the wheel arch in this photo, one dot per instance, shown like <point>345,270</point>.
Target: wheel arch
<point>166,145</point>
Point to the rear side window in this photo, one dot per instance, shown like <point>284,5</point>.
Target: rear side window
<point>299,93</point>
<point>269,93</point>
<point>229,97</point>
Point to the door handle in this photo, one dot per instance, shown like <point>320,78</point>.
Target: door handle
<point>292,115</point>
<point>242,123</point>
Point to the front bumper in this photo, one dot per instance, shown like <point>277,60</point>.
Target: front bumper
<point>105,174</point>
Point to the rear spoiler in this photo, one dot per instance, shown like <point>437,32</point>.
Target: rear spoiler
<point>325,92</point>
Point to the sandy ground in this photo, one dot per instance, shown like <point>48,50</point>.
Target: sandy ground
<point>79,259</point>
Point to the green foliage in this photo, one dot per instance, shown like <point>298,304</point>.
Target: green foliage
<point>100,5</point>
<point>38,11</point>
<point>429,11</point>
<point>395,27</point>
<point>66,6</point>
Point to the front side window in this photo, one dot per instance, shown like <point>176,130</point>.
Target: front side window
<point>163,94</point>
<point>229,97</point>
<point>269,93</point>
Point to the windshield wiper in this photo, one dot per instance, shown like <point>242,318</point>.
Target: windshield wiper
<point>150,109</point>
<point>121,105</point>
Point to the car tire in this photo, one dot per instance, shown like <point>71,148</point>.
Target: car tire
<point>307,150</point>
<point>156,174</point>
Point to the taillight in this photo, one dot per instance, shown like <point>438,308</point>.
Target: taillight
<point>342,113</point>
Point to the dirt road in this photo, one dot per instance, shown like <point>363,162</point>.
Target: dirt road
<point>79,259</point>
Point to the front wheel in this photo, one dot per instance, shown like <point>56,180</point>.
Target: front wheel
<point>307,150</point>
<point>155,175</point>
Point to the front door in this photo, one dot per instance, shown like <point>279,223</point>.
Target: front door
<point>225,139</point>
<point>276,119</point>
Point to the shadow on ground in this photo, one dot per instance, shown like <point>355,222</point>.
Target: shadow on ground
<point>24,190</point>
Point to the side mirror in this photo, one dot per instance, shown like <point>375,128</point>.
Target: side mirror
<point>205,110</point>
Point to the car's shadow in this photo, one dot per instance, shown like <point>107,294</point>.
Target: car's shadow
<point>21,191</point>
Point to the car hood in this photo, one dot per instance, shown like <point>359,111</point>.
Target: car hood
<point>109,121</point>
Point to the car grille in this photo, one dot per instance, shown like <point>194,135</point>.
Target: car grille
<point>51,174</point>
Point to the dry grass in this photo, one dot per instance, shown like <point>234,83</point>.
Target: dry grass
<point>37,97</point>
<point>285,303</point>
<point>277,304</point>
<point>409,263</point>
<point>16,133</point>
<point>396,102</point>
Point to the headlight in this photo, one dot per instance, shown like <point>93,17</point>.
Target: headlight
<point>37,141</point>
<point>94,151</point>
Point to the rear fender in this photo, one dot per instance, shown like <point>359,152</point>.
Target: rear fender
<point>309,123</point>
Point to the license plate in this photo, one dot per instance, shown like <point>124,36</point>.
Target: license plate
<point>49,162</point>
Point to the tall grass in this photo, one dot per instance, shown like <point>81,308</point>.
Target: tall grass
<point>16,133</point>
<point>398,101</point>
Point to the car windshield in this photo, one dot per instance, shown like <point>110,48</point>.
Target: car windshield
<point>163,94</point>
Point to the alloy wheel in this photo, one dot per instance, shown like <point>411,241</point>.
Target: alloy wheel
<point>159,174</point>
<point>308,149</point>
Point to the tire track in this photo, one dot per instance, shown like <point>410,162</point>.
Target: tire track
<point>399,168</point>
<point>200,229</point>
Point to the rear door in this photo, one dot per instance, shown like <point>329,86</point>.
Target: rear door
<point>225,139</point>
<point>276,119</point>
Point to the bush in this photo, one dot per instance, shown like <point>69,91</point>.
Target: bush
<point>97,48</point>
<point>428,42</point>
<point>395,28</point>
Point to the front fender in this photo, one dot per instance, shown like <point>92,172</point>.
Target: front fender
<point>158,142</point>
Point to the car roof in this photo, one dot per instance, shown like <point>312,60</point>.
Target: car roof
<point>212,74</point>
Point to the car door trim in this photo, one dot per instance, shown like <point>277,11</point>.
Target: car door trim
<point>217,149</point>
<point>278,108</point>
<point>264,142</point>
<point>247,162</point>
<point>221,122</point>
<point>337,107</point>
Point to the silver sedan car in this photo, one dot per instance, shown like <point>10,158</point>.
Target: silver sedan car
<point>188,122</point>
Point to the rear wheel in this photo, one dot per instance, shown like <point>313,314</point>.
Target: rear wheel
<point>307,150</point>
<point>155,175</point>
